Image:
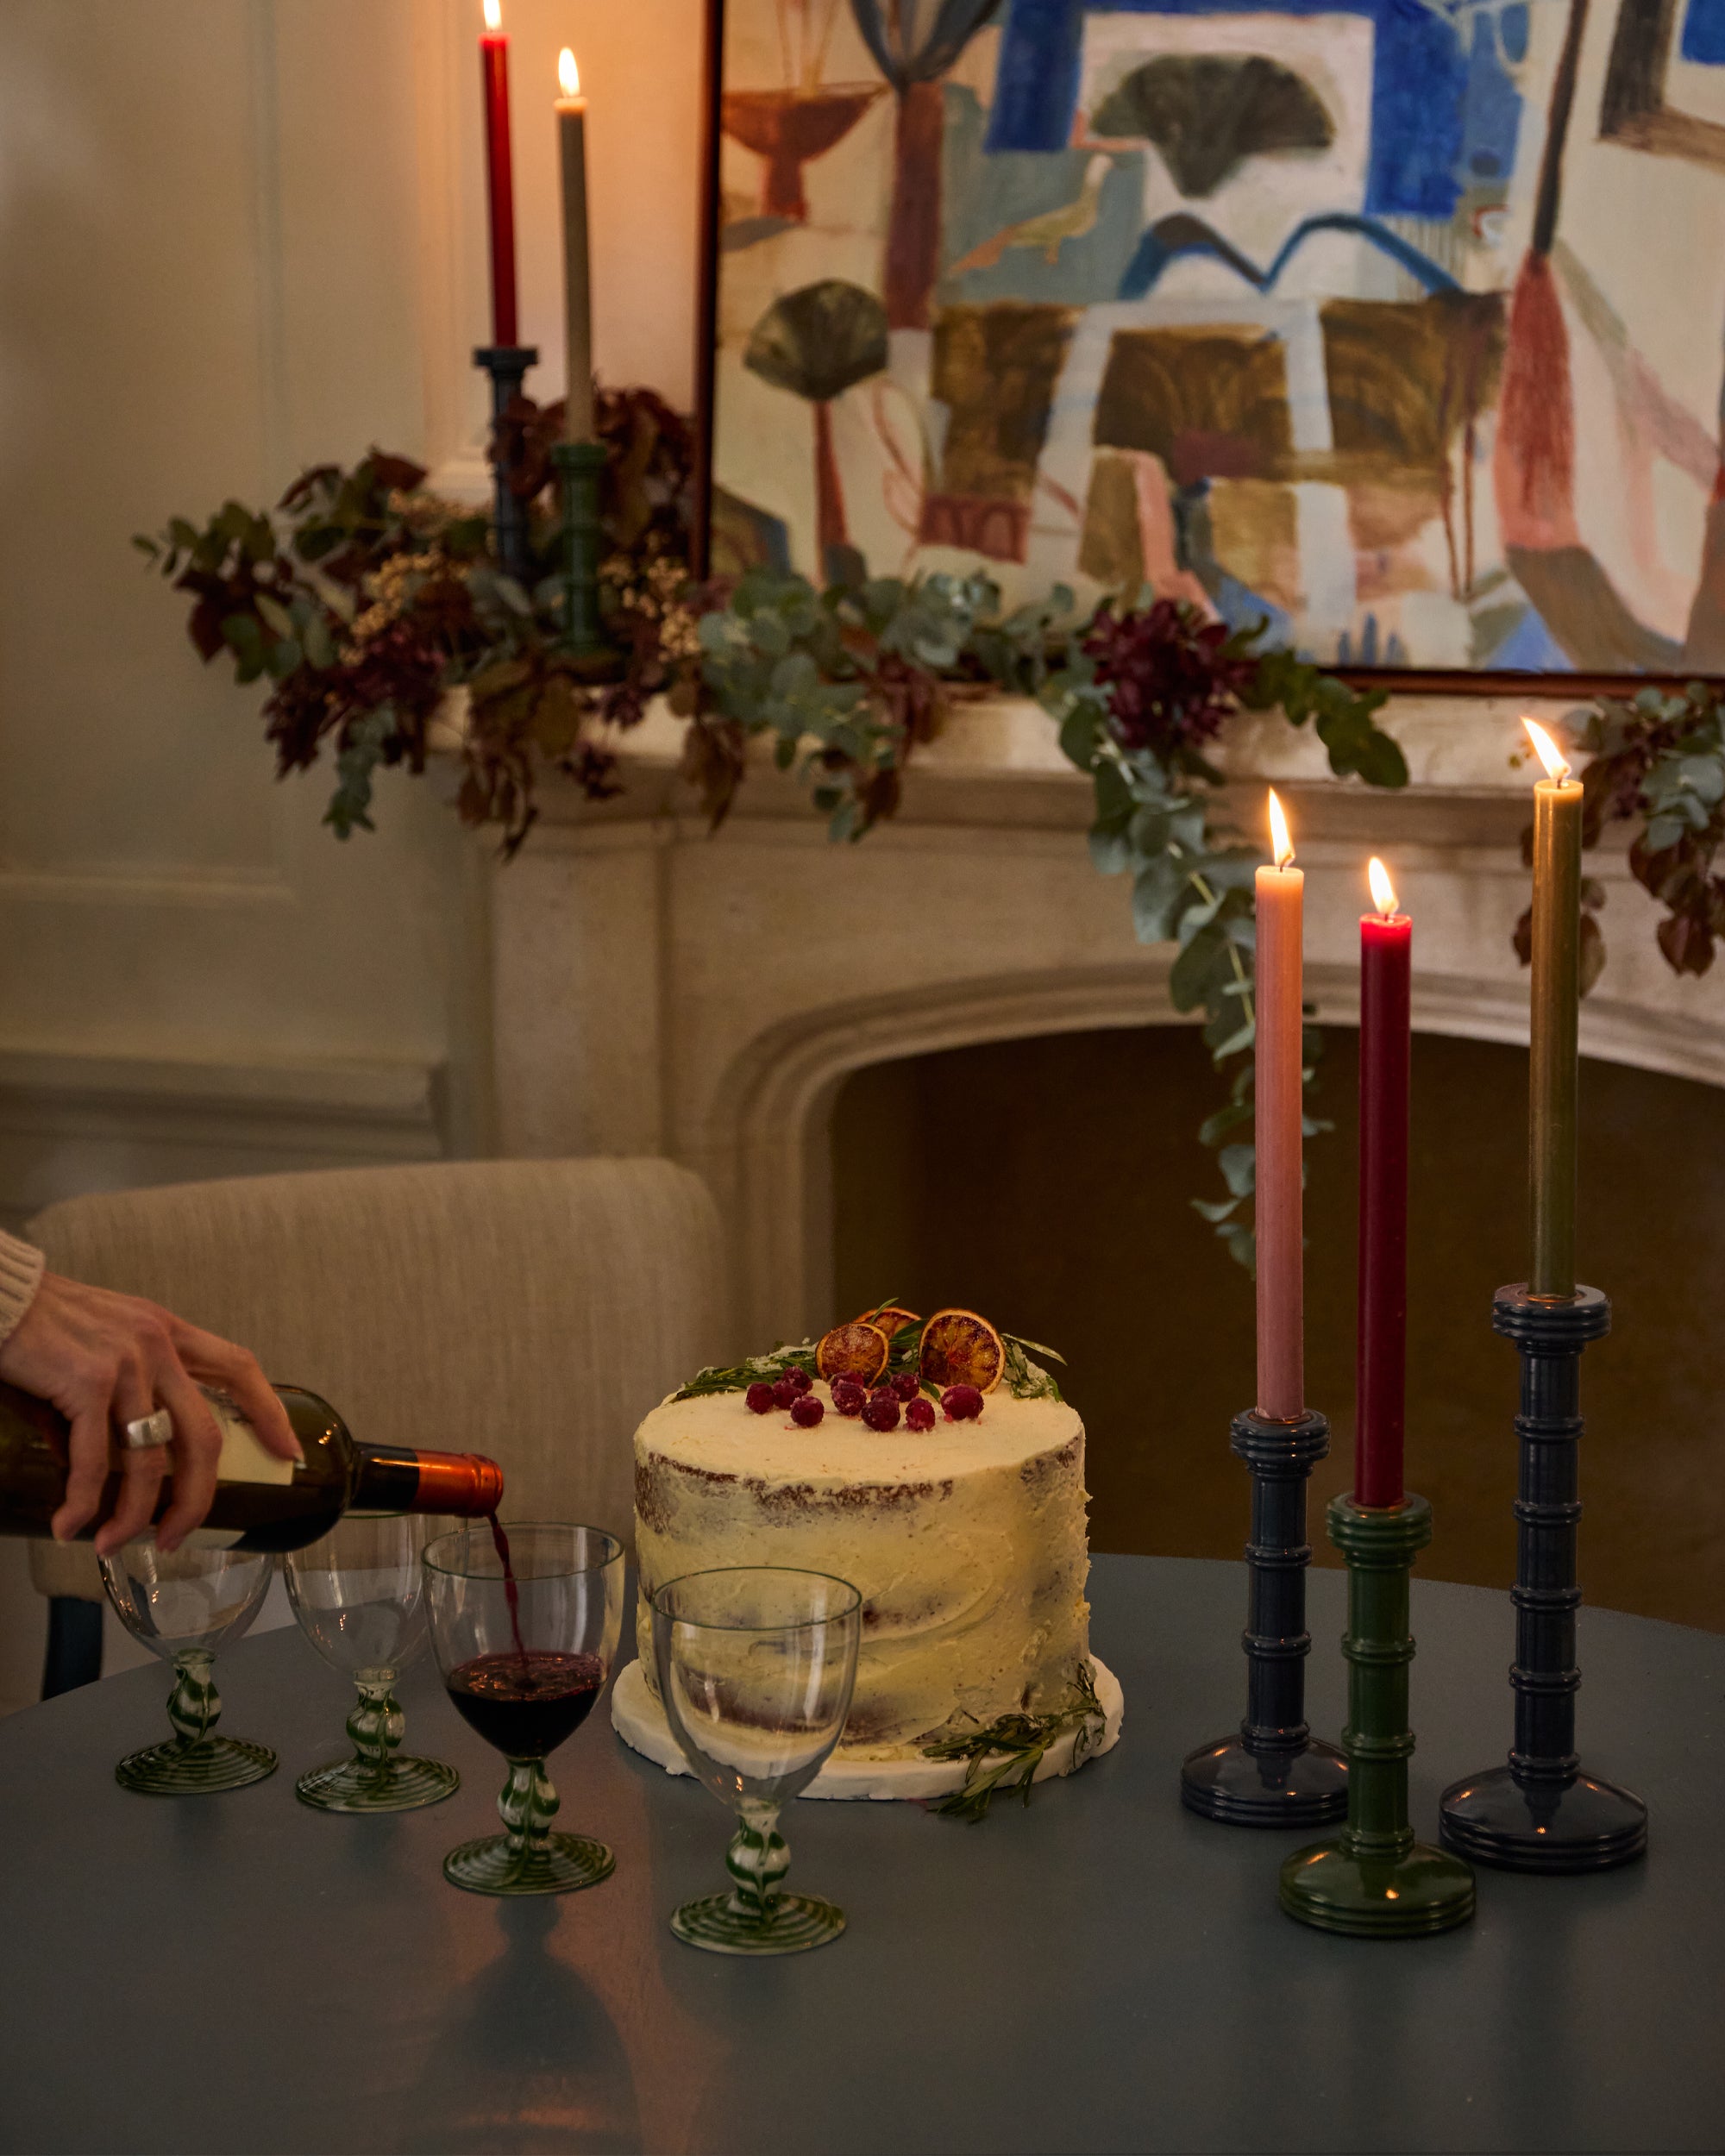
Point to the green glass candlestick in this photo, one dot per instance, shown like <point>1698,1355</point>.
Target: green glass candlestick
<point>1375,1880</point>
<point>579,465</point>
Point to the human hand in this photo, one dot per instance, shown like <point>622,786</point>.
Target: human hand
<point>104,1359</point>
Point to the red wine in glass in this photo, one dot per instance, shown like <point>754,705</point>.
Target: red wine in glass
<point>526,1703</point>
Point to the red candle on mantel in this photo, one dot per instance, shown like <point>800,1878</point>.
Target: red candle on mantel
<point>1386,953</point>
<point>499,178</point>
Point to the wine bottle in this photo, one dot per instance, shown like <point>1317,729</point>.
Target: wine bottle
<point>261,1502</point>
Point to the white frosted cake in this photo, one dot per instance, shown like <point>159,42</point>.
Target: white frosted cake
<point>967,1540</point>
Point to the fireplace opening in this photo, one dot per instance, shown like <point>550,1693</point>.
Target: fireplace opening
<point>1047,1182</point>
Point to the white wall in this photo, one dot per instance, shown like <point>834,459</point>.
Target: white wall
<point>237,237</point>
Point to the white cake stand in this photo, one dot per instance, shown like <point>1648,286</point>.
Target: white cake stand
<point>639,1719</point>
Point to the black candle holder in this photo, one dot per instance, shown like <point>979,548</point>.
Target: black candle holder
<point>1274,1772</point>
<point>507,366</point>
<point>580,467</point>
<point>1375,1880</point>
<point>1541,1812</point>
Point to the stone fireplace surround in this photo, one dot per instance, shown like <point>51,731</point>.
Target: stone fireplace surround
<point>658,990</point>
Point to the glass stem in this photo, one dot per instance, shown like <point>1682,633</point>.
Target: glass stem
<point>528,1806</point>
<point>194,1706</point>
<point>757,1860</point>
<point>376,1724</point>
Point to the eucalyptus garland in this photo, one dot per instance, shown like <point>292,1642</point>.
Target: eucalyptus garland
<point>361,600</point>
<point>1138,694</point>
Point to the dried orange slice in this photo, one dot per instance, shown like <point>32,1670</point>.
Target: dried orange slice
<point>889,1317</point>
<point>855,1350</point>
<point>959,1348</point>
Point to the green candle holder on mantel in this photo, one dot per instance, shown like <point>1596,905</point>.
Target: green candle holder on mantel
<point>580,467</point>
<point>1375,1880</point>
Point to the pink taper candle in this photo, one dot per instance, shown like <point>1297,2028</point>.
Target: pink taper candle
<point>1281,1257</point>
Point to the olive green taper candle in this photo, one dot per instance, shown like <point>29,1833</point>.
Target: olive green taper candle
<point>1552,1031</point>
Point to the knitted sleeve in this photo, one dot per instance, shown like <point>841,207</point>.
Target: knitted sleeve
<point>21,1273</point>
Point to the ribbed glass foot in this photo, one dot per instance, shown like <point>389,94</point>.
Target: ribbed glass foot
<point>1585,1825</point>
<point>199,1769</point>
<point>556,1863</point>
<point>1333,1887</point>
<point>353,1785</point>
<point>794,1923</point>
<point>1224,1781</point>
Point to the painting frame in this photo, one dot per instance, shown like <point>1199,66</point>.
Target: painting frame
<point>1632,110</point>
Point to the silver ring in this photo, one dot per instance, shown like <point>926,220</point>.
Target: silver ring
<point>149,1431</point>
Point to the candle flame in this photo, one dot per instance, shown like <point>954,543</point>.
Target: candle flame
<point>1280,843</point>
<point>568,75</point>
<point>1550,755</point>
<point>493,15</point>
<point>1382,891</point>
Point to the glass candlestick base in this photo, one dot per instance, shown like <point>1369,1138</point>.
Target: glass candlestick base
<point>1273,1772</point>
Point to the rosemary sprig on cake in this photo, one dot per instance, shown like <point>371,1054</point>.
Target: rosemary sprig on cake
<point>886,1364</point>
<point>1006,1753</point>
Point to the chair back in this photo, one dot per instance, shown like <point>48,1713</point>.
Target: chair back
<point>532,1310</point>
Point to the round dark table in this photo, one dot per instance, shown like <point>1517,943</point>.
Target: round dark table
<point>1100,1971</point>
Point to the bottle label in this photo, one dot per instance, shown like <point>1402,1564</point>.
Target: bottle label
<point>244,1459</point>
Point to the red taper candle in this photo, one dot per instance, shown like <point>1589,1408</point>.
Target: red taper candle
<point>1386,954</point>
<point>499,178</point>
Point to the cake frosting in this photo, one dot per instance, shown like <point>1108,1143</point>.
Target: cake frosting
<point>967,1541</point>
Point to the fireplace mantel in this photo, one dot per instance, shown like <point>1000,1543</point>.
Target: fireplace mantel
<point>659,990</point>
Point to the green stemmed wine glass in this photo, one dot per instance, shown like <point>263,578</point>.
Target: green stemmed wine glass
<point>755,1667</point>
<point>184,1607</point>
<point>359,1593</point>
<point>525,1623</point>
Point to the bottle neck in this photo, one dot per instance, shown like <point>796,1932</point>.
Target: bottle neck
<point>390,1478</point>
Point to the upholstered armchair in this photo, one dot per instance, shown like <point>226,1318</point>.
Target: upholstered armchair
<point>533,1310</point>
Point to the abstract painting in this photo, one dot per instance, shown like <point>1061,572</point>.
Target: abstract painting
<point>1395,325</point>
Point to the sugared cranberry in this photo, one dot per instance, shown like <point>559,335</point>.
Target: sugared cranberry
<point>848,1396</point>
<point>799,1377</point>
<point>920,1415</point>
<point>760,1399</point>
<point>905,1386</point>
<point>962,1403</point>
<point>882,1412</point>
<point>807,1411</point>
<point>785,1393</point>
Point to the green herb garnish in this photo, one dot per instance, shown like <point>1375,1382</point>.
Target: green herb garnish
<point>1007,1752</point>
<point>758,1370</point>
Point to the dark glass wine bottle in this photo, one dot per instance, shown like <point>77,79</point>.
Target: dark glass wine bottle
<point>261,1502</point>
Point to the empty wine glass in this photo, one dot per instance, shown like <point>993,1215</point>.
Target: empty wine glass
<point>526,1624</point>
<point>184,1607</point>
<point>756,1665</point>
<point>358,1594</point>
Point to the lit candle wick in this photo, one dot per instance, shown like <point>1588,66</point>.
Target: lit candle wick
<point>493,15</point>
<point>1382,891</point>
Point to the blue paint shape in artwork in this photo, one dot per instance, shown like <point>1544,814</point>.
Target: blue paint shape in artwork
<point>1703,33</point>
<point>1512,32</point>
<point>1529,648</point>
<point>1241,607</point>
<point>1171,237</point>
<point>1422,77</point>
<point>986,196</point>
<point>1491,112</point>
<point>1036,82</point>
